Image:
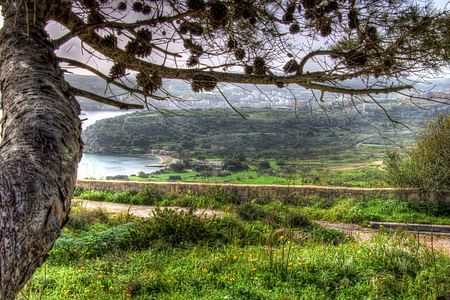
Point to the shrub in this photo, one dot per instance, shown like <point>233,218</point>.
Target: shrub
<point>142,174</point>
<point>117,177</point>
<point>167,225</point>
<point>328,236</point>
<point>169,228</point>
<point>250,212</point>
<point>174,178</point>
<point>234,165</point>
<point>77,191</point>
<point>224,197</point>
<point>264,165</point>
<point>427,165</point>
<point>148,196</point>
<point>177,166</point>
<point>80,219</point>
<point>297,220</point>
<point>347,211</point>
<point>95,195</point>
<point>123,197</point>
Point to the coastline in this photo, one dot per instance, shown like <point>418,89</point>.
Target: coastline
<point>164,160</point>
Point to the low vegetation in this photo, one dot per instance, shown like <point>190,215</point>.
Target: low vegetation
<point>260,249</point>
<point>180,256</point>
<point>341,210</point>
<point>281,172</point>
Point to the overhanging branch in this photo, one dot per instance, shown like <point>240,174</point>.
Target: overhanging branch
<point>350,91</point>
<point>308,80</point>
<point>108,79</point>
<point>104,100</point>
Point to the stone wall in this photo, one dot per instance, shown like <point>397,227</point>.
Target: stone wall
<point>245,192</point>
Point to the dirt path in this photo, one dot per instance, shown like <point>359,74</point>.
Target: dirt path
<point>440,242</point>
<point>143,211</point>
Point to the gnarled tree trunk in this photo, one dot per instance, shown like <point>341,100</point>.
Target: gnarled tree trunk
<point>41,144</point>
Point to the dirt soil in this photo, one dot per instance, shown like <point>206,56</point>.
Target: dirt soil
<point>440,242</point>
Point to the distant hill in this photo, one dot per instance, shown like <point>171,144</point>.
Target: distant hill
<point>273,133</point>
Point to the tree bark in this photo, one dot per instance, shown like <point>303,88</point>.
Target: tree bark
<point>41,145</point>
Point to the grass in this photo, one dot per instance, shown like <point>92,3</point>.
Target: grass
<point>366,176</point>
<point>343,210</point>
<point>356,168</point>
<point>162,262</point>
<point>350,210</point>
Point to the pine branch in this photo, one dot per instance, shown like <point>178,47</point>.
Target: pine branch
<point>104,100</point>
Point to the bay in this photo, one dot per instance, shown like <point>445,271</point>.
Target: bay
<point>99,166</point>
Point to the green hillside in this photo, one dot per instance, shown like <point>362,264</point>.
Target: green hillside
<point>274,134</point>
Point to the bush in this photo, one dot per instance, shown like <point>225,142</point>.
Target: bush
<point>177,166</point>
<point>142,174</point>
<point>80,219</point>
<point>148,196</point>
<point>170,228</point>
<point>264,165</point>
<point>234,165</point>
<point>346,211</point>
<point>117,177</point>
<point>427,165</point>
<point>297,220</point>
<point>328,236</point>
<point>224,173</point>
<point>95,195</point>
<point>174,178</point>
<point>250,212</point>
<point>224,197</point>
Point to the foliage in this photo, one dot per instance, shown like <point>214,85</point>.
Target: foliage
<point>146,196</point>
<point>250,212</point>
<point>297,220</point>
<point>264,166</point>
<point>169,228</point>
<point>177,166</point>
<point>117,177</point>
<point>351,210</point>
<point>142,174</point>
<point>346,209</point>
<point>234,165</point>
<point>427,165</point>
<point>326,266</point>
<point>383,41</point>
<point>274,134</point>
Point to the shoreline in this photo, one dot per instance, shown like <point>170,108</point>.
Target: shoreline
<point>164,160</point>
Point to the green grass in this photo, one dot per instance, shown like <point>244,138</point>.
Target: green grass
<point>356,211</point>
<point>343,210</point>
<point>352,210</point>
<point>305,172</point>
<point>107,261</point>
